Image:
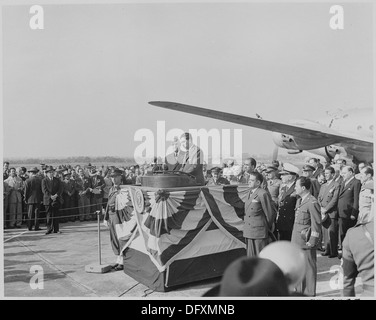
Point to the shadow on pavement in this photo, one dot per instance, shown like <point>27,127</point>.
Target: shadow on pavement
<point>25,276</point>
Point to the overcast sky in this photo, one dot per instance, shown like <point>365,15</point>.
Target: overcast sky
<point>81,85</point>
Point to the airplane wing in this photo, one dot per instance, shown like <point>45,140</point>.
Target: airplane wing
<point>325,134</point>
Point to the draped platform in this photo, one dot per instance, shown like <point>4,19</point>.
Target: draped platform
<point>180,235</point>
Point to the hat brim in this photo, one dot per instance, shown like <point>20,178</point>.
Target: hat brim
<point>213,292</point>
<point>287,172</point>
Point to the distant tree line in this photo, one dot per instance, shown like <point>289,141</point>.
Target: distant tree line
<point>68,160</point>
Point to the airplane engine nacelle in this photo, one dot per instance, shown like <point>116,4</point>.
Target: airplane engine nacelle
<point>284,141</point>
<point>329,152</point>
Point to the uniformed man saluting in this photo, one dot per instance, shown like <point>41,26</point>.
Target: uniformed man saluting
<point>307,233</point>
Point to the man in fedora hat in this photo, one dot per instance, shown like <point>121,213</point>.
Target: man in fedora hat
<point>33,197</point>
<point>251,277</point>
<point>286,202</point>
<point>52,190</point>
<point>328,201</point>
<point>307,232</point>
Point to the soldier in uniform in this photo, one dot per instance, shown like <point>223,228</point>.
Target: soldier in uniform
<point>307,233</point>
<point>358,257</point>
<point>259,216</point>
<point>287,202</point>
<point>366,193</point>
<point>315,185</point>
<point>328,200</point>
<point>273,182</point>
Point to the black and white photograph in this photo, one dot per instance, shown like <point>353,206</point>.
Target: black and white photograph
<point>206,150</point>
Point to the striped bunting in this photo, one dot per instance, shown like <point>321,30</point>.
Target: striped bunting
<point>172,221</point>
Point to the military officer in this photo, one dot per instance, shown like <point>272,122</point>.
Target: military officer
<point>328,201</point>
<point>260,213</point>
<point>307,233</point>
<point>273,183</point>
<point>287,202</point>
<point>315,185</point>
<point>358,258</point>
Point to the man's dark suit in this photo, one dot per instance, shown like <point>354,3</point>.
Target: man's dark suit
<point>192,162</point>
<point>315,187</point>
<point>328,199</point>
<point>171,161</point>
<point>348,205</point>
<point>50,188</point>
<point>286,212</point>
<point>33,196</point>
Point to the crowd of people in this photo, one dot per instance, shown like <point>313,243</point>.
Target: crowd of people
<point>82,191</point>
<point>313,207</point>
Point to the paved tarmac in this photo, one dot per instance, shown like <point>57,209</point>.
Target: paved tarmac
<point>62,259</point>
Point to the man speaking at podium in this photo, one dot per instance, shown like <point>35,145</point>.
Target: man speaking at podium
<point>190,158</point>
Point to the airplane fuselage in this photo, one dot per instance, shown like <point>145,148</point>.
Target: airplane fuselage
<point>354,122</point>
